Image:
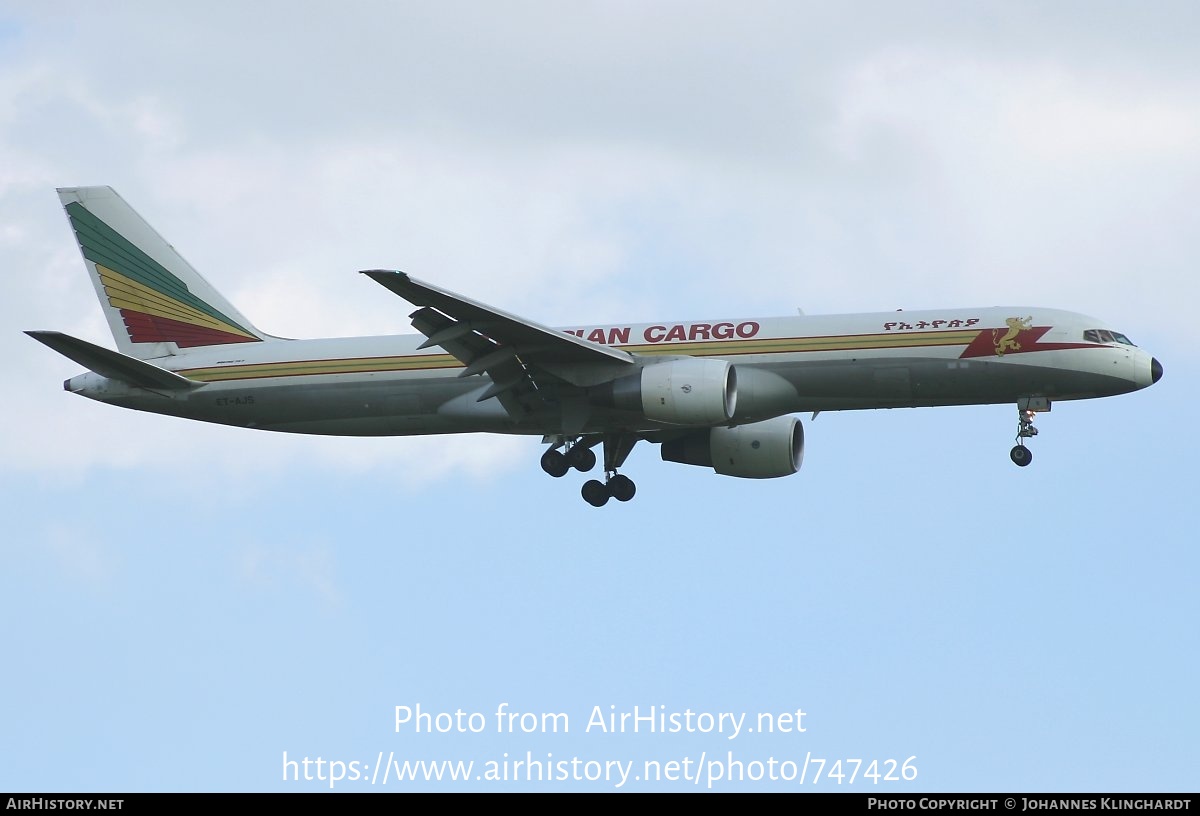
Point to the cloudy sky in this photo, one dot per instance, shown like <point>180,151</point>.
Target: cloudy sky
<point>184,604</point>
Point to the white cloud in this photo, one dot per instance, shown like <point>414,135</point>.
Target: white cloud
<point>606,163</point>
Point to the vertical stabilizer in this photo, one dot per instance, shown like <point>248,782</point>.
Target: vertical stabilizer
<point>155,302</point>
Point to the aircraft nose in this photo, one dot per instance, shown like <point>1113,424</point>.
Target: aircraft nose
<point>1155,369</point>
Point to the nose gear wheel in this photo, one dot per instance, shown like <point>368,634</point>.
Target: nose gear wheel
<point>1020,454</point>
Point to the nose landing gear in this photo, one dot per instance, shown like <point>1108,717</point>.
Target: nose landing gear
<point>1026,412</point>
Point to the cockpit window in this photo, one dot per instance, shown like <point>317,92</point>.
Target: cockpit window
<point>1105,336</point>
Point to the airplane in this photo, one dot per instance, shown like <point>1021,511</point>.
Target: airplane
<point>720,394</point>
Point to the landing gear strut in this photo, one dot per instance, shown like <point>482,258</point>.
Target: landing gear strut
<point>1026,412</point>
<point>578,454</point>
<point>1020,454</point>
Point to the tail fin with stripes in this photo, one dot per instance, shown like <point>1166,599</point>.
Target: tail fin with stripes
<point>155,302</point>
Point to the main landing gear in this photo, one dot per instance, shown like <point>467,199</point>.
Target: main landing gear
<point>615,485</point>
<point>580,456</point>
<point>1026,412</point>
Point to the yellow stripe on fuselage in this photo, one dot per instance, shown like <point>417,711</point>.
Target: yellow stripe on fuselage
<point>309,368</point>
<point>426,362</point>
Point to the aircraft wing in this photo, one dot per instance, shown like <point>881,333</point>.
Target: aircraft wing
<point>520,356</point>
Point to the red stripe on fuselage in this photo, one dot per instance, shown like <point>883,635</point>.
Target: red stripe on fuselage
<point>996,343</point>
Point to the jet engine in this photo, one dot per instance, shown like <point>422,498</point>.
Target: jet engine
<point>685,391</point>
<point>759,450</point>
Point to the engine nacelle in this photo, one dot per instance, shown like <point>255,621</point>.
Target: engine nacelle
<point>759,450</point>
<point>687,391</point>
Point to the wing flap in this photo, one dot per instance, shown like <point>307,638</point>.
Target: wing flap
<point>480,354</point>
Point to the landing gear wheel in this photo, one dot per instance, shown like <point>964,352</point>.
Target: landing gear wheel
<point>621,487</point>
<point>595,493</point>
<point>581,458</point>
<point>555,463</point>
<point>1027,409</point>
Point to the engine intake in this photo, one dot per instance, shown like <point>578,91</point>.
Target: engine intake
<point>758,450</point>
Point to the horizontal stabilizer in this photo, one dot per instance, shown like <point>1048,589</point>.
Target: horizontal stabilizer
<point>112,364</point>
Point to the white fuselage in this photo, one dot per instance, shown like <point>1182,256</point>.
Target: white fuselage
<point>376,386</point>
